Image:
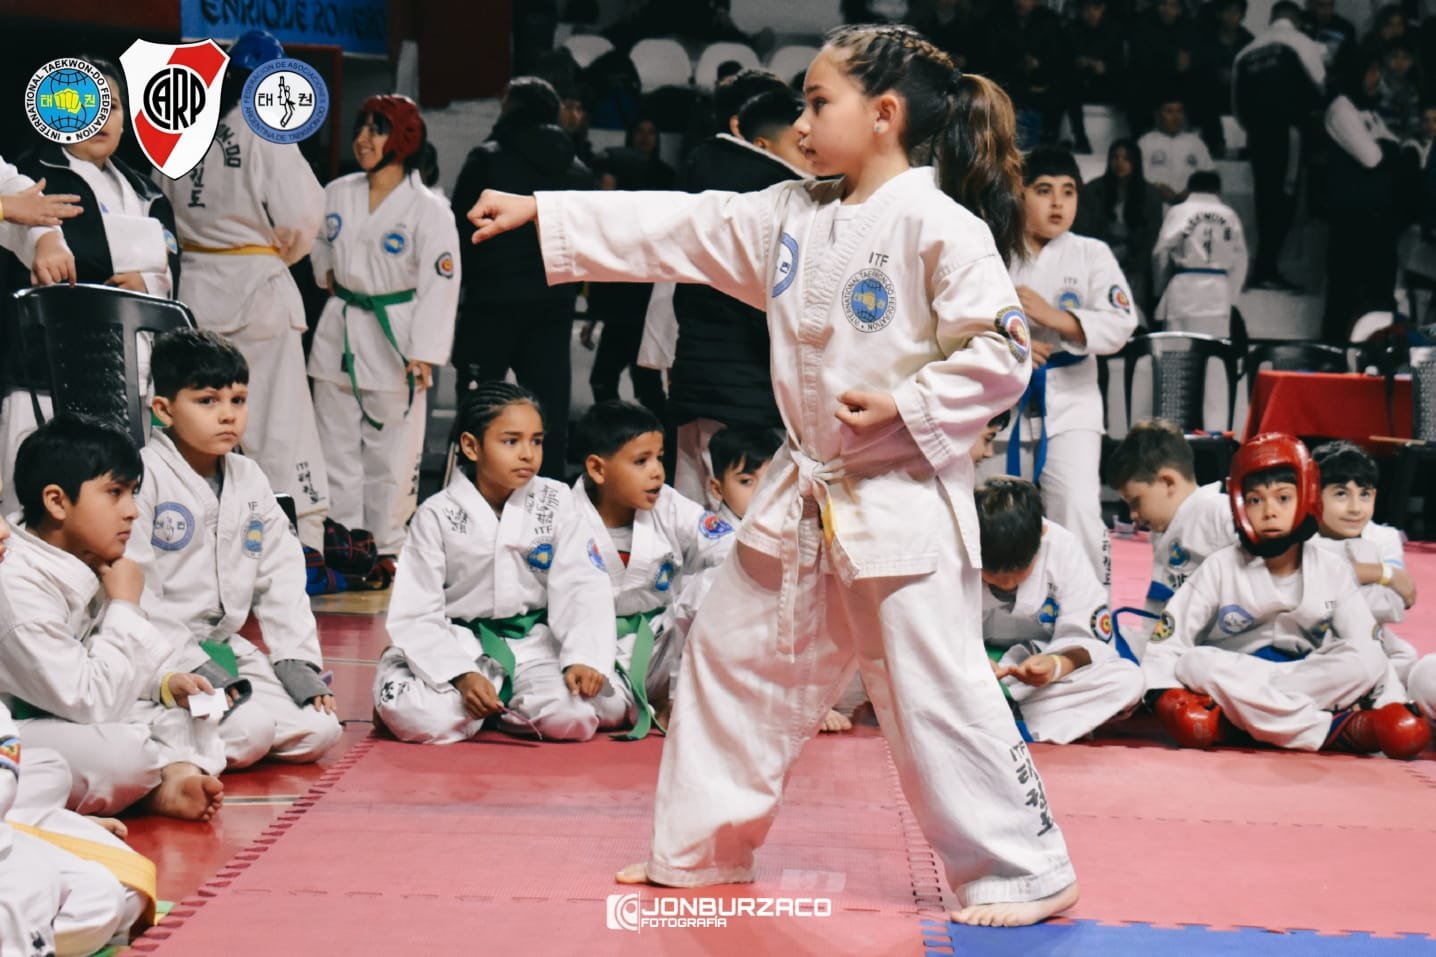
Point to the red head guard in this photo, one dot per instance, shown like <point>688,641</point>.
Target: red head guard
<point>406,126</point>
<point>1272,450</point>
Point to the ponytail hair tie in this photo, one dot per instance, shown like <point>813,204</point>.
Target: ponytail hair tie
<point>954,80</point>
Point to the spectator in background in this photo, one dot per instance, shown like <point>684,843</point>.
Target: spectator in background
<point>1163,40</point>
<point>1220,40</point>
<point>1099,64</point>
<point>1277,83</point>
<point>510,317</point>
<point>1124,211</point>
<point>1387,26</point>
<point>1024,50</point>
<point>643,139</point>
<point>1399,95</point>
<point>1170,153</point>
<point>573,119</point>
<point>954,26</point>
<point>1364,169</point>
<point>695,21</point>
<point>1335,33</point>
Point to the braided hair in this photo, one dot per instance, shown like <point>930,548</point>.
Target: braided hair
<point>961,122</point>
<point>482,404</point>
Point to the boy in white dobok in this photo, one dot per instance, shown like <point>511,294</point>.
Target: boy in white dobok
<point>655,545</point>
<point>1272,633</point>
<point>1080,305</point>
<point>500,611</point>
<point>1153,472</point>
<point>1045,620</point>
<point>80,662</point>
<point>1200,260</point>
<point>215,546</point>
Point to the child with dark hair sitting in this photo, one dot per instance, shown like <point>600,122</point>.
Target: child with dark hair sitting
<point>215,546</point>
<point>80,662</point>
<point>654,544</point>
<point>1045,620</point>
<point>740,455</point>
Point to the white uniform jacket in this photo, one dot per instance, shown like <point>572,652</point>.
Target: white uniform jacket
<point>461,561</point>
<point>1201,526</point>
<point>674,544</point>
<point>210,561</point>
<point>19,239</point>
<point>1079,275</point>
<point>912,299</point>
<point>64,647</point>
<point>1200,261</point>
<point>1377,543</point>
<point>1358,132</point>
<point>1232,603</point>
<point>1171,160</point>
<point>137,241</point>
<point>241,194</point>
<point>1059,605</point>
<point>409,242</point>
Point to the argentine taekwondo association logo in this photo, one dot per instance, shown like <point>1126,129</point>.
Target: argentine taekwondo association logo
<point>174,94</point>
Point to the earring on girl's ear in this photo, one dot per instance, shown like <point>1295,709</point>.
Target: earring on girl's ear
<point>878,126</point>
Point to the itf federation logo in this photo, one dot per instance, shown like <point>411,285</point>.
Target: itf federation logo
<point>174,94</point>
<point>868,300</point>
<point>285,101</point>
<point>67,100</point>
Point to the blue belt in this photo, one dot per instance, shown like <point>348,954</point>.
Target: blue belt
<point>1279,655</point>
<point>1037,395</point>
<point>1200,272</point>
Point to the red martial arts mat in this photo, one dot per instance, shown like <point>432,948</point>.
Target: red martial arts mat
<point>505,847</point>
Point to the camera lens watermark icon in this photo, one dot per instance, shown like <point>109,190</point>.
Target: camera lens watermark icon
<point>623,911</point>
<point>285,101</point>
<point>68,100</point>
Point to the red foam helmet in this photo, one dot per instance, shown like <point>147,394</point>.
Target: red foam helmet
<point>1272,450</point>
<point>406,126</point>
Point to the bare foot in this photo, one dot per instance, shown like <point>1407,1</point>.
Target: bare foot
<point>1017,913</point>
<point>835,721</point>
<point>664,712</point>
<point>187,793</point>
<point>633,874</point>
<point>112,824</point>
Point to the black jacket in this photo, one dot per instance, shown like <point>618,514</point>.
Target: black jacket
<point>85,235</point>
<point>526,159</point>
<point>722,366</point>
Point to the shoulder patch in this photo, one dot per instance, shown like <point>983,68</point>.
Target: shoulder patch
<point>1102,624</point>
<point>174,527</point>
<point>1234,619</point>
<point>1164,627</point>
<point>1011,325</point>
<point>444,265</point>
<point>1117,296</point>
<point>10,755</point>
<point>711,526</point>
<point>332,224</point>
<point>786,269</point>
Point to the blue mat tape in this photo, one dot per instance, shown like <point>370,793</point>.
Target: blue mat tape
<point>1087,939</point>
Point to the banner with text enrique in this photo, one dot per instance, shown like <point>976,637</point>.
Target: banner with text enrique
<point>358,26</point>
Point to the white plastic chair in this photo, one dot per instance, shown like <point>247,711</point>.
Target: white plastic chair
<point>787,62</point>
<point>705,76</point>
<point>587,47</point>
<point>661,62</point>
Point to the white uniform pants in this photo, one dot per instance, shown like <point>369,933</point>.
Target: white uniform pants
<point>1287,704</point>
<point>694,468</point>
<point>373,473</point>
<point>269,724</point>
<point>1421,685</point>
<point>116,764</point>
<point>413,710</point>
<point>1062,712</point>
<point>748,699</point>
<point>1071,487</point>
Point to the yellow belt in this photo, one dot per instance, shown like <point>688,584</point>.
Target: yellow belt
<point>251,250</point>
<point>132,869</point>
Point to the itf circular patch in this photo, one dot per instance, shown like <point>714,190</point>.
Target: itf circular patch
<point>444,265</point>
<point>1068,300</point>
<point>595,557</point>
<point>541,556</point>
<point>171,243</point>
<point>68,100</point>
<point>1164,627</point>
<point>253,536</point>
<point>786,269</point>
<point>1047,614</point>
<point>1012,325</point>
<point>1234,619</point>
<point>285,101</point>
<point>174,527</point>
<point>394,242</point>
<point>1102,623</point>
<point>664,581</point>
<point>711,526</point>
<point>1177,556</point>
<point>869,300</point>
<point>332,224</point>
<point>1117,296</point>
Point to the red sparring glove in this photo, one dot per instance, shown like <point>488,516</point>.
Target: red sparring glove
<point>1401,731</point>
<point>1193,720</point>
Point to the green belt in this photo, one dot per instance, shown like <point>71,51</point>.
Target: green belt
<point>637,673</point>
<point>379,306</point>
<point>494,635</point>
<point>24,711</point>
